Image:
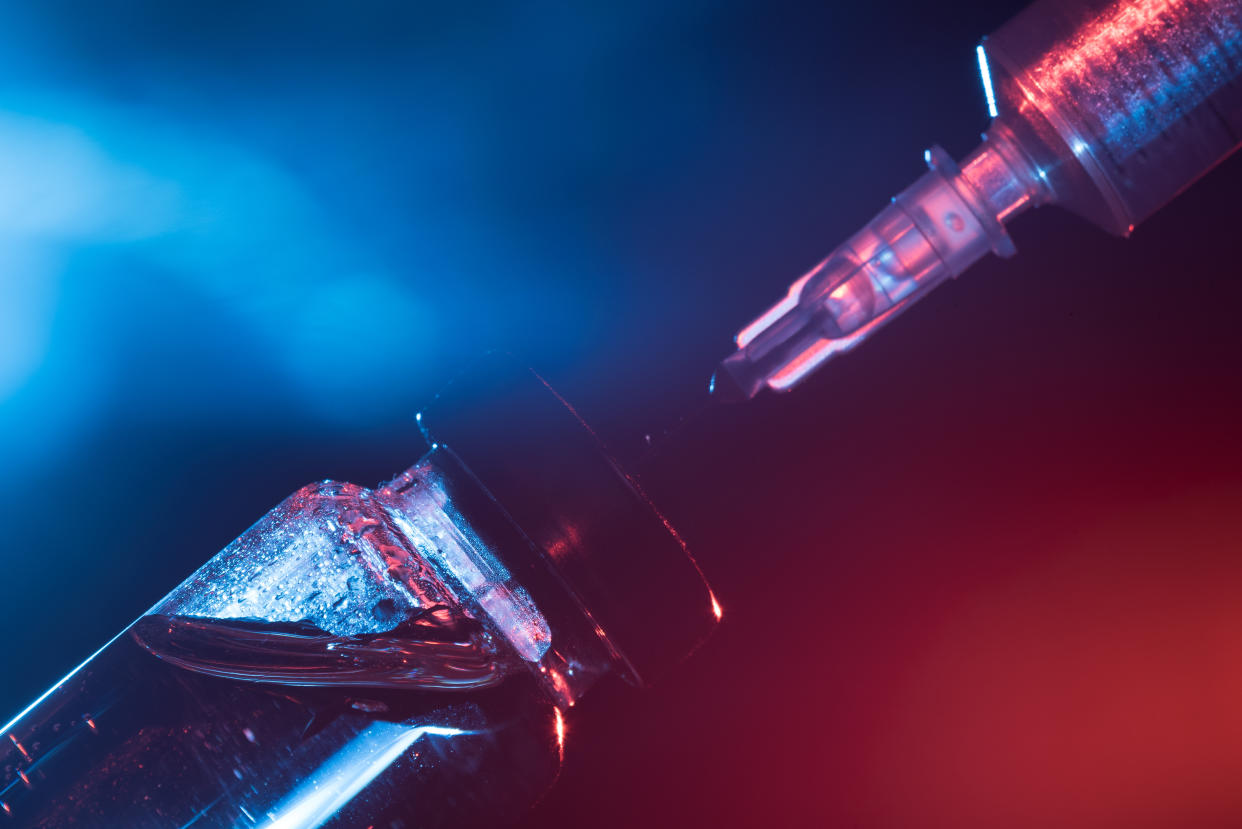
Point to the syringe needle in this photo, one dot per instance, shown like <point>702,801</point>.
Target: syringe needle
<point>764,352</point>
<point>935,229</point>
<point>723,385</point>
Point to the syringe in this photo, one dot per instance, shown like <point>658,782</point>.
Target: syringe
<point>1109,108</point>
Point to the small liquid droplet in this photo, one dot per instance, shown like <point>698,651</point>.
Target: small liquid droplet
<point>369,706</point>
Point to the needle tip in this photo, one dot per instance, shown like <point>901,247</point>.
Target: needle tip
<point>725,388</point>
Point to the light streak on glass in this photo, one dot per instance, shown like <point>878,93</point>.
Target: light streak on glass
<point>347,772</point>
<point>986,74</point>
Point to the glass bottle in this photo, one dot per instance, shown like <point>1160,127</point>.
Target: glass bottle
<point>396,657</point>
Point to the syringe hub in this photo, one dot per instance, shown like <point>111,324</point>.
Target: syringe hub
<point>943,223</point>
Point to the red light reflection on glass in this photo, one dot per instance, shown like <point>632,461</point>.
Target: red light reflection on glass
<point>560,733</point>
<point>20,748</point>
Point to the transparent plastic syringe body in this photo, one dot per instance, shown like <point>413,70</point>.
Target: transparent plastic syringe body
<point>1108,108</point>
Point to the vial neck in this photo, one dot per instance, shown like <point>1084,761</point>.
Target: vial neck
<point>454,524</point>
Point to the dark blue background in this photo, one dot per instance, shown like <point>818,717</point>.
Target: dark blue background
<point>240,245</point>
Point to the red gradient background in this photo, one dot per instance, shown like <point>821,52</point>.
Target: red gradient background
<point>985,571</point>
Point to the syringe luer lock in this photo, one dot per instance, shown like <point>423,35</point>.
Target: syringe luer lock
<point>1109,109</point>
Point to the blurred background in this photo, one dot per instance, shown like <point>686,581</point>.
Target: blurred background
<point>985,571</point>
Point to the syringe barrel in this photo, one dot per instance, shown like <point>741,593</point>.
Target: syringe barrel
<point>1120,104</point>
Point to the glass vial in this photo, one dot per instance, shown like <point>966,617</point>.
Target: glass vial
<point>396,657</point>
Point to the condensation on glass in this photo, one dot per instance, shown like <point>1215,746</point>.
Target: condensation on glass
<point>358,657</point>
<point>345,653</point>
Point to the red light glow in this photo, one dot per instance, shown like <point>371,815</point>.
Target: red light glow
<point>560,733</point>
